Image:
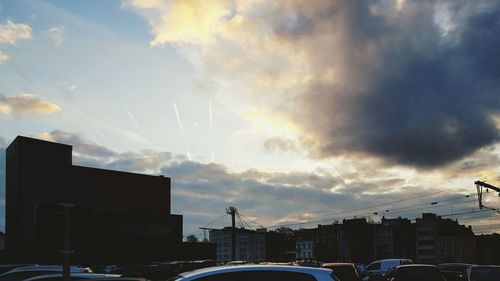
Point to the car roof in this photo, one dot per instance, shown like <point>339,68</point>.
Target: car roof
<point>79,275</point>
<point>44,268</point>
<point>386,260</point>
<point>416,265</point>
<point>222,269</point>
<point>339,264</point>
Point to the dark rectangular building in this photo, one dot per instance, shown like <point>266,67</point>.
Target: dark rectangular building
<point>443,241</point>
<point>395,238</point>
<point>116,215</point>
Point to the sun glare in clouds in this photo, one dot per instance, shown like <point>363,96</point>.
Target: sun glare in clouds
<point>269,125</point>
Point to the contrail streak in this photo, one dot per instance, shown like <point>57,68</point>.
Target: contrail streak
<point>133,119</point>
<point>181,126</point>
<point>211,125</point>
<point>177,115</point>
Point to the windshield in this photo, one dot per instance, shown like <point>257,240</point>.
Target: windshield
<point>485,274</point>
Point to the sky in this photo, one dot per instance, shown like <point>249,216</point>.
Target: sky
<point>294,112</point>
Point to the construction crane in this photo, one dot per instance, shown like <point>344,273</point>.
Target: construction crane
<point>479,186</point>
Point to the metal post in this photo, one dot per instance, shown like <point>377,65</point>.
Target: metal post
<point>67,242</point>
<point>233,237</point>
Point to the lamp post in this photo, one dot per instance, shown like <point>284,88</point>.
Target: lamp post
<point>66,251</point>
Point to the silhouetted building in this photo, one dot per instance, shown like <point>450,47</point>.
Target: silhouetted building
<point>304,243</point>
<point>2,241</point>
<point>325,242</point>
<point>394,238</point>
<point>279,247</point>
<point>443,240</point>
<point>355,241</point>
<point>251,245</point>
<point>488,249</point>
<point>116,215</point>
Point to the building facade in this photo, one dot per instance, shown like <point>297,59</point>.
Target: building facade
<point>305,250</point>
<point>488,249</point>
<point>394,238</point>
<point>249,245</point>
<point>114,215</point>
<point>252,245</point>
<point>443,240</point>
<point>355,241</point>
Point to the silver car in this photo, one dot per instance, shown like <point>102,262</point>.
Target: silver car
<point>257,272</point>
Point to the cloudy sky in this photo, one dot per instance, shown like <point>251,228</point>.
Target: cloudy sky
<point>291,111</point>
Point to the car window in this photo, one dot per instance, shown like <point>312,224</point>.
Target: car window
<point>390,272</point>
<point>374,266</point>
<point>457,268</point>
<point>345,274</point>
<point>259,275</point>
<point>417,274</point>
<point>485,274</point>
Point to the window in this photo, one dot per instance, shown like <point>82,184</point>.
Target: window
<point>375,266</point>
<point>260,275</point>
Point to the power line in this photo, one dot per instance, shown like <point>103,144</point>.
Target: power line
<point>434,203</point>
<point>359,209</point>
<point>464,213</point>
<point>370,207</point>
<point>214,221</point>
<point>252,221</point>
<point>428,205</point>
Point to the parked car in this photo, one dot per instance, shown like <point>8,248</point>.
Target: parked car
<point>378,269</point>
<point>415,272</point>
<point>484,273</point>
<point>463,268</point>
<point>257,273</point>
<point>344,271</point>
<point>25,272</point>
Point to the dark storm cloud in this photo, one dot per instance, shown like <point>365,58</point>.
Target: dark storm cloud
<point>407,90</point>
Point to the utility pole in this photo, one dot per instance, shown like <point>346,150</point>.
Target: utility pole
<point>479,186</point>
<point>232,211</point>
<point>67,241</point>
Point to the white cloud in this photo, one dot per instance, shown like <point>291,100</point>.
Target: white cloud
<point>11,32</point>
<point>183,21</point>
<point>3,57</point>
<point>56,34</point>
<point>26,104</point>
